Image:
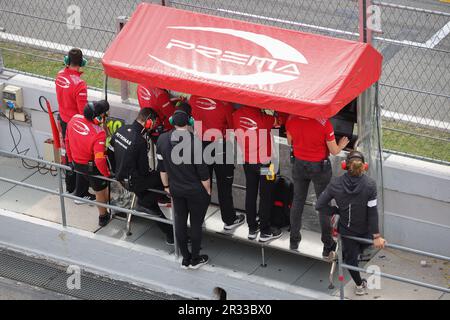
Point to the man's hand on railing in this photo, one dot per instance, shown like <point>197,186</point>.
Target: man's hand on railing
<point>379,242</point>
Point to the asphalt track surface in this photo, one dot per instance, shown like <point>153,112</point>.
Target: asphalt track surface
<point>415,45</point>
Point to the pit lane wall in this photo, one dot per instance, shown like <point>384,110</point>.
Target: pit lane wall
<point>416,193</point>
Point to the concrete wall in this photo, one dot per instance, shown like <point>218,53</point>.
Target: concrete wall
<point>416,195</point>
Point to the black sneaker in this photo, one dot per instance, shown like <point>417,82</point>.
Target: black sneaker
<point>89,196</point>
<point>103,220</point>
<point>185,264</point>
<point>200,261</point>
<point>275,234</point>
<point>252,234</point>
<point>293,244</point>
<point>327,251</point>
<point>240,219</point>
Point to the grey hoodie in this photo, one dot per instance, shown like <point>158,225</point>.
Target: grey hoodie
<point>356,199</point>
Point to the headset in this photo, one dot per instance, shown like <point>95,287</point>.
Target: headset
<point>148,124</point>
<point>67,61</point>
<point>354,155</point>
<point>97,120</point>
<point>191,120</point>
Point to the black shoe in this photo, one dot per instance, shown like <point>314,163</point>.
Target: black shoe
<point>200,261</point>
<point>293,244</point>
<point>240,219</point>
<point>103,220</point>
<point>155,210</point>
<point>89,196</point>
<point>328,250</point>
<point>275,234</point>
<point>186,263</point>
<point>252,234</point>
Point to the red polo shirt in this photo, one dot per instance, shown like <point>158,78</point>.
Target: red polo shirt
<point>211,114</point>
<point>85,142</point>
<point>253,134</point>
<point>159,100</point>
<point>309,137</point>
<point>71,92</point>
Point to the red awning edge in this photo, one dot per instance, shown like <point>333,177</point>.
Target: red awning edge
<point>251,64</point>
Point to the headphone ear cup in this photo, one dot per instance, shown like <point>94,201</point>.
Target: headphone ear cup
<point>366,167</point>
<point>148,124</point>
<point>191,121</point>
<point>83,62</point>
<point>171,121</point>
<point>66,60</point>
<point>344,165</point>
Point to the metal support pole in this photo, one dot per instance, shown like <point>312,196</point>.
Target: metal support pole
<point>61,197</point>
<point>124,85</point>
<point>397,278</point>
<point>341,270</point>
<point>175,242</point>
<point>365,34</point>
<point>263,256</point>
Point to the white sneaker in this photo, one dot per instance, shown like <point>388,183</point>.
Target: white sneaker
<point>239,221</point>
<point>362,289</point>
<point>87,197</point>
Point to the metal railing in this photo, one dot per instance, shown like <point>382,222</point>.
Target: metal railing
<point>343,266</point>
<point>62,195</point>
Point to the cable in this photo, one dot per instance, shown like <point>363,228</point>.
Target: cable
<point>43,170</point>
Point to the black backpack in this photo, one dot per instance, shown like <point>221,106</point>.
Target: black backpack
<point>283,194</point>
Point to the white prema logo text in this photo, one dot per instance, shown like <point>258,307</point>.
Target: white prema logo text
<point>81,128</point>
<point>206,104</point>
<point>62,82</point>
<point>282,66</point>
<point>145,94</point>
<point>248,123</point>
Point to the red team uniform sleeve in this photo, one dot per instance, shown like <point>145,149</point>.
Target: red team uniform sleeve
<point>68,151</point>
<point>81,97</point>
<point>329,131</point>
<point>100,156</point>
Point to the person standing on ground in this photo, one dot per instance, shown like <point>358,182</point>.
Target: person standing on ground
<point>356,199</point>
<point>186,178</point>
<point>212,119</point>
<point>312,141</point>
<point>71,93</point>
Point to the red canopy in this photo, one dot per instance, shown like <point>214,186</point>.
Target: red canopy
<point>266,67</point>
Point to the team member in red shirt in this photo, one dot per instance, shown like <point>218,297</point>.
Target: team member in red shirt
<point>159,100</point>
<point>312,141</point>
<point>212,119</point>
<point>85,143</point>
<point>253,134</point>
<point>71,93</point>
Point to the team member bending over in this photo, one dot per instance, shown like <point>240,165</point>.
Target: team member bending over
<point>129,155</point>
<point>85,144</point>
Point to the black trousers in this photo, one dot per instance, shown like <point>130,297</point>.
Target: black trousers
<point>224,172</point>
<point>74,181</point>
<point>193,206</point>
<point>303,173</point>
<point>254,181</point>
<point>150,199</point>
<point>351,249</point>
